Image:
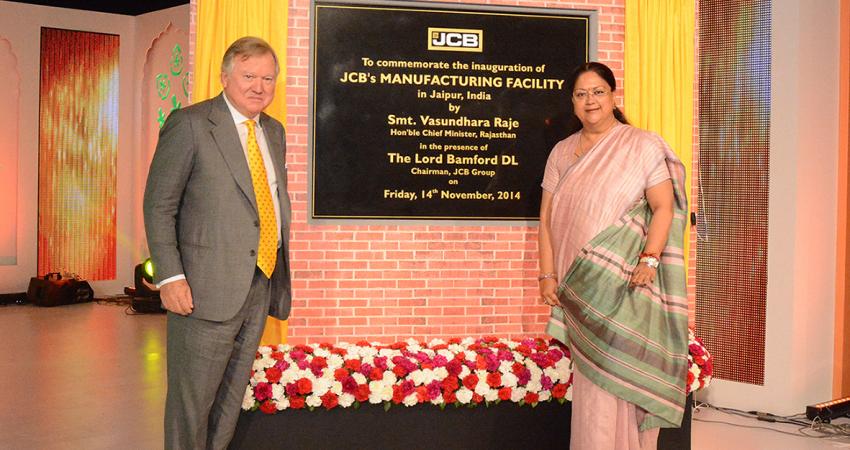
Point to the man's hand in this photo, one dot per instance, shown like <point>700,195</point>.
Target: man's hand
<point>176,297</point>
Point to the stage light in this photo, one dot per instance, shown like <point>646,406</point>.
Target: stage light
<point>144,294</point>
<point>827,411</point>
<point>148,270</point>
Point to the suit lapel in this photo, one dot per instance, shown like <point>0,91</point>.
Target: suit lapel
<point>227,138</point>
<point>274,140</point>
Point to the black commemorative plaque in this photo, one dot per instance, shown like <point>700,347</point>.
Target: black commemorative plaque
<point>435,111</point>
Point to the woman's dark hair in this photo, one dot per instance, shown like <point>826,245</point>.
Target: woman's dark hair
<point>573,124</point>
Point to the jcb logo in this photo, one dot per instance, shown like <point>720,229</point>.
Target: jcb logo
<point>455,40</point>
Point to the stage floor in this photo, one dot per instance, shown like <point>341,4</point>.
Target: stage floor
<point>89,376</point>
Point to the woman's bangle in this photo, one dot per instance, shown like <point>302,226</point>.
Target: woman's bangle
<point>650,259</point>
<point>544,276</point>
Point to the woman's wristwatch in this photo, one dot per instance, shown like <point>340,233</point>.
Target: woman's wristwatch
<point>650,259</point>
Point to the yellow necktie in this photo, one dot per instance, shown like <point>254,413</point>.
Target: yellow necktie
<point>267,252</point>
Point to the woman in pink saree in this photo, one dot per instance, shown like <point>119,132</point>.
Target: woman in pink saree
<point>611,265</point>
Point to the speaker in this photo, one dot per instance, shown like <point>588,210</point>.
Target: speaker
<point>53,290</point>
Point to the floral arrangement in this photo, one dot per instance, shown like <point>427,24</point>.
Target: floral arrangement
<point>459,372</point>
<point>700,364</point>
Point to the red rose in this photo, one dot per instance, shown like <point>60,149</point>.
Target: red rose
<point>477,398</point>
<point>268,407</point>
<point>305,386</point>
<point>330,400</point>
<point>690,377</point>
<point>340,374</point>
<point>296,402</point>
<point>399,371</point>
<point>273,374</point>
<point>376,374</point>
<point>398,395</point>
<point>517,369</point>
<point>277,356</point>
<point>505,393</point>
<point>422,394</point>
<point>494,379</point>
<point>470,381</point>
<point>531,397</point>
<point>480,363</point>
<point>559,391</point>
<point>524,350</point>
<point>361,394</point>
<point>449,397</point>
<point>352,364</point>
<point>318,362</point>
<point>449,384</point>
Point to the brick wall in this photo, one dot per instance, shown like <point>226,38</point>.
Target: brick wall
<point>390,282</point>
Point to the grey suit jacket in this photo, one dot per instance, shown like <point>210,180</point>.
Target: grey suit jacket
<point>201,215</point>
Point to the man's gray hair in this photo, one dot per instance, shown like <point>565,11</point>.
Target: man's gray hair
<point>245,48</point>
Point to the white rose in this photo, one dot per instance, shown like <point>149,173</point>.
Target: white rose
<point>282,404</point>
<point>314,401</point>
<point>288,376</point>
<point>264,350</point>
<point>446,354</point>
<point>464,395</point>
<point>509,380</point>
<point>346,400</point>
<point>321,352</point>
<point>277,392</point>
<point>260,376</point>
<point>437,400</point>
<point>375,391</point>
<point>358,377</point>
<point>335,361</point>
<point>248,399</point>
<point>569,396</point>
<point>386,392</point>
<point>553,374</point>
<point>440,373</point>
<point>517,394</point>
<point>257,365</point>
<point>336,387</point>
<point>417,376</point>
<point>506,366</point>
<point>544,396</point>
<point>321,386</point>
<point>470,355</point>
<point>534,386</point>
<point>492,395</point>
<point>389,377</point>
<point>435,342</point>
<point>411,400</point>
<point>464,371</point>
<point>482,388</point>
<point>455,349</point>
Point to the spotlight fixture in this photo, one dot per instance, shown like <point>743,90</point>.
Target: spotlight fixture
<point>145,294</point>
<point>827,411</point>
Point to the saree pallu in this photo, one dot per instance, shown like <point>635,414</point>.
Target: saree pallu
<point>631,342</point>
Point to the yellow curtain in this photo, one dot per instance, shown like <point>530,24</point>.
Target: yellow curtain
<point>219,23</point>
<point>659,75</point>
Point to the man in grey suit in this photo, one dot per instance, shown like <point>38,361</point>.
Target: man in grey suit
<point>219,251</point>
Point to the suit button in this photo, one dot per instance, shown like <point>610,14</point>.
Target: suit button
<point>253,253</point>
<point>257,223</point>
